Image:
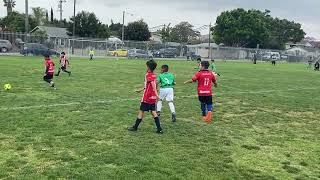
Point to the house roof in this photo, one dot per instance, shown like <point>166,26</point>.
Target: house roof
<point>53,31</point>
<point>308,49</point>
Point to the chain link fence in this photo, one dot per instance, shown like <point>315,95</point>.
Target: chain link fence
<point>81,47</point>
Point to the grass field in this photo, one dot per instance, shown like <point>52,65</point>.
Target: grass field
<point>266,124</point>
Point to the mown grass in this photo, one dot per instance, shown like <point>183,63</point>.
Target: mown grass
<point>266,124</point>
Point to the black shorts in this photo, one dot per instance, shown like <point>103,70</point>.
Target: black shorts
<point>205,99</point>
<point>63,67</point>
<point>48,77</point>
<point>147,107</point>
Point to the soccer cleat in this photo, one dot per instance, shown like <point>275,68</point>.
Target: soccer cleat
<point>208,118</point>
<point>174,118</point>
<point>159,131</point>
<point>133,129</point>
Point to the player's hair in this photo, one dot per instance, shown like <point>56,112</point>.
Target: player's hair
<point>46,55</point>
<point>152,65</point>
<point>165,68</point>
<point>63,53</point>
<point>212,60</point>
<point>199,59</point>
<point>205,64</point>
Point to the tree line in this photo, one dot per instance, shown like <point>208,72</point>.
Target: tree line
<point>237,28</point>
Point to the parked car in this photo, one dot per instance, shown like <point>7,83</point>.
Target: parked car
<point>138,54</point>
<point>166,53</point>
<point>271,56</point>
<point>119,53</point>
<point>284,56</point>
<point>36,49</point>
<point>5,46</point>
<point>192,56</point>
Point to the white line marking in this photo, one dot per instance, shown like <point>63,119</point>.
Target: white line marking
<point>136,99</point>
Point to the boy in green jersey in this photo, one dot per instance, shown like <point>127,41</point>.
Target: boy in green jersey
<point>166,81</point>
<point>213,68</point>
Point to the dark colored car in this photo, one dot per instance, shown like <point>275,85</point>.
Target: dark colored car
<point>193,57</point>
<point>138,54</point>
<point>36,49</point>
<point>166,53</point>
<point>5,46</point>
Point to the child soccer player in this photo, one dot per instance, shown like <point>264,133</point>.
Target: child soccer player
<point>91,54</point>
<point>149,99</point>
<point>213,67</point>
<point>205,78</point>
<point>49,70</point>
<point>167,82</point>
<point>64,62</point>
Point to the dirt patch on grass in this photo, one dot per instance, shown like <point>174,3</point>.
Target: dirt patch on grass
<point>293,114</point>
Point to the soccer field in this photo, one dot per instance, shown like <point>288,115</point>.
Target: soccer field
<point>266,123</point>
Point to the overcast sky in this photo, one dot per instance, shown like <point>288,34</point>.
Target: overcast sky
<point>198,12</point>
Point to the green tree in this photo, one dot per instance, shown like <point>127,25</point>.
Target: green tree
<point>115,29</point>
<point>16,22</point>
<point>9,4</point>
<point>243,28</point>
<point>183,33</point>
<point>165,33</point>
<point>137,31</point>
<point>87,25</point>
<point>39,15</point>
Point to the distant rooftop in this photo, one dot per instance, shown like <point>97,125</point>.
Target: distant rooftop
<point>53,31</point>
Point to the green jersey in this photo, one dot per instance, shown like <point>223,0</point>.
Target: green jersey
<point>166,80</point>
<point>213,68</point>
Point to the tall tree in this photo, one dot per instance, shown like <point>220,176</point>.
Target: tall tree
<point>165,33</point>
<point>183,33</point>
<point>243,28</point>
<point>47,16</point>
<point>39,15</point>
<point>15,22</point>
<point>10,4</point>
<point>87,25</point>
<point>137,31</point>
<point>115,29</point>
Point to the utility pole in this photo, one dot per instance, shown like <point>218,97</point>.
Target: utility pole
<point>74,18</point>
<point>210,49</point>
<point>61,8</point>
<point>123,15</point>
<point>27,17</point>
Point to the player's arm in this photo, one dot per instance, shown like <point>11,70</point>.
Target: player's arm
<point>139,90</point>
<point>154,87</point>
<point>189,81</point>
<point>194,79</point>
<point>214,81</point>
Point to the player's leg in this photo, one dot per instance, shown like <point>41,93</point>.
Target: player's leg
<point>58,72</point>
<point>203,107</point>
<point>159,104</point>
<point>139,118</point>
<point>169,98</point>
<point>156,119</point>
<point>209,105</point>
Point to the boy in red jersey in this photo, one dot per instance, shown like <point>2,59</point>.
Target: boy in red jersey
<point>205,78</point>
<point>149,99</point>
<point>49,71</point>
<point>64,62</point>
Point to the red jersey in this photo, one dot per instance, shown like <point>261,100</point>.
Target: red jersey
<point>64,61</point>
<point>205,79</point>
<point>149,96</point>
<point>49,64</point>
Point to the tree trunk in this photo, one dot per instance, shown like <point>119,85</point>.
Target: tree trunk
<point>9,9</point>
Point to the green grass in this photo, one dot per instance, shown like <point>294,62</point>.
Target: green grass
<point>266,124</point>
